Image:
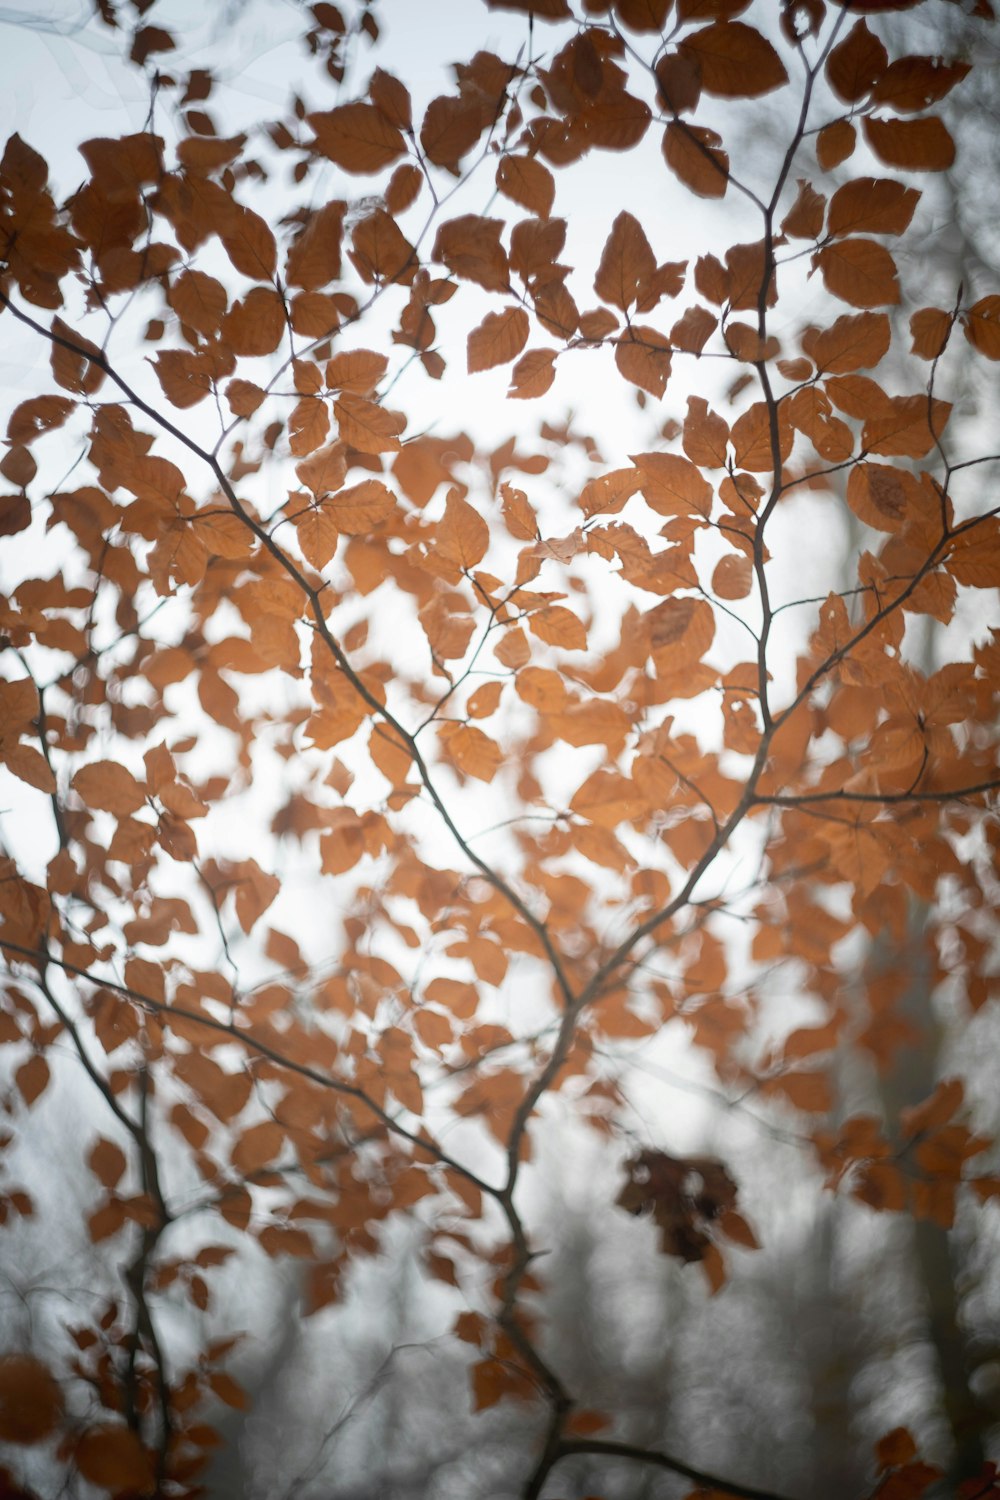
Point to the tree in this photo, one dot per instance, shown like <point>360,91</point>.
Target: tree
<point>274,627</point>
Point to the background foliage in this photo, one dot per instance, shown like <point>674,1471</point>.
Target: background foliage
<point>499,735</point>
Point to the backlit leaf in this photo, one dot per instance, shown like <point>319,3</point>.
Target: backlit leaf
<point>498,339</point>
<point>358,137</point>
<point>734,60</point>
<point>923,145</point>
<point>695,153</point>
<point>860,272</point>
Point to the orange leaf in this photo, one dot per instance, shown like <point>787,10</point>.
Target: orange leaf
<point>367,426</point>
<point>462,535</point>
<point>360,507</point>
<point>471,750</point>
<point>532,375</point>
<point>930,328</point>
<point>626,262</point>
<point>673,485</point>
<point>558,626</point>
<point>835,143</point>
<point>470,247</point>
<point>255,890</point>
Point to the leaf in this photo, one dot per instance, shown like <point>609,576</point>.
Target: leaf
<point>107,1162</point>
<point>754,439</point>
<point>392,98</point>
<point>525,180</point>
<point>871,205</point>
<point>112,1457</point>
<point>930,328</point>
<point>250,245</point>
<point>314,258</point>
<point>672,485</point>
<point>733,576</point>
<point>835,143</point>
<point>106,786</point>
<point>255,890</point>
<point>532,375</point>
<point>680,631</point>
<point>734,61</point>
<point>367,426</point>
<point>695,154</point>
<point>358,137</point>
<point>258,1145</point>
<point>982,326</point>
<point>910,84</point>
<point>878,495</point>
<point>923,145</point>
<point>32,1078</point>
<point>856,63</point>
<point>471,750</point>
<point>31,1401</point>
<point>361,507</point>
<point>860,272</point>
<point>470,247</point>
<point>558,626</point>
<point>450,129</point>
<point>856,341</point>
<point>498,339</point>
<point>627,261</point>
<point>199,300</point>
<point>642,355</point>
<point>462,535</point>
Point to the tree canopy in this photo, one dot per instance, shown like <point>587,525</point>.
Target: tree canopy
<point>464,633</point>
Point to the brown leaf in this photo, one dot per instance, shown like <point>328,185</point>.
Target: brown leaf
<point>861,272</point>
<point>982,326</point>
<point>470,247</point>
<point>923,145</point>
<point>498,339</point>
<point>527,181</point>
<point>695,154</point>
<point>533,374</point>
<point>642,355</point>
<point>626,262</point>
<point>112,1457</point>
<point>733,576</point>
<point>835,143</point>
<point>31,1401</point>
<point>871,205</point>
<point>734,60</point>
<point>856,63</point>
<point>856,341</point>
<point>358,137</point>
<point>108,787</point>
